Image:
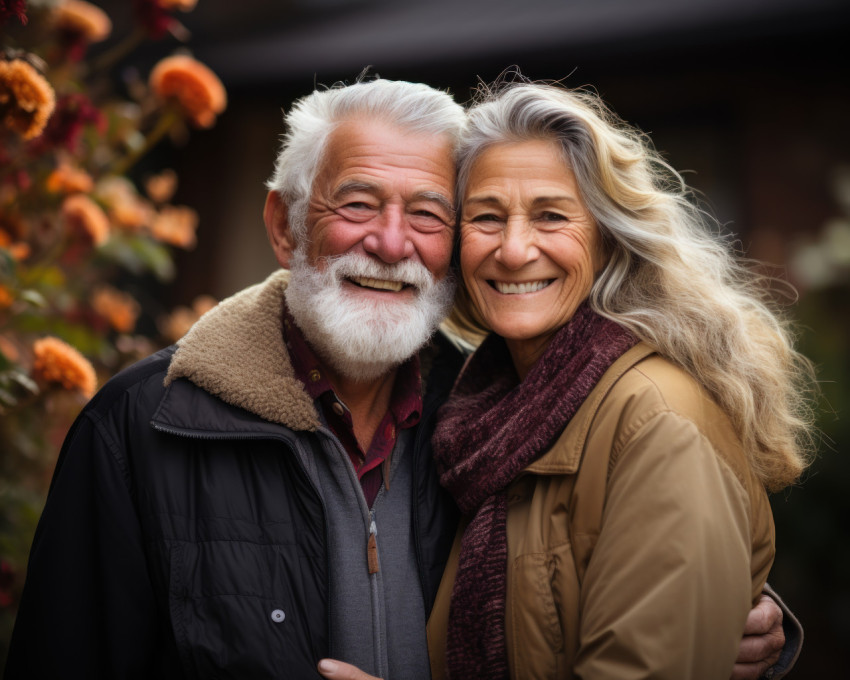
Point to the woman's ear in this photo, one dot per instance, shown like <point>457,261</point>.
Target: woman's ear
<point>276,218</point>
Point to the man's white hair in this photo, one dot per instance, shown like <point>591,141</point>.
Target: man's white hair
<point>413,107</point>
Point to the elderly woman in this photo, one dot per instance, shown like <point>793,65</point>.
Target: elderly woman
<point>611,440</point>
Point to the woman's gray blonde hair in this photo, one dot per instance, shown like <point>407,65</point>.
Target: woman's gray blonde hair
<point>413,107</point>
<point>670,278</point>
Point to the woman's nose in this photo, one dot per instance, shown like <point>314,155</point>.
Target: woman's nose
<point>518,247</point>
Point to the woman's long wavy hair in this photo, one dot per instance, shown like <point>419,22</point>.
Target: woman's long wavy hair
<point>671,278</point>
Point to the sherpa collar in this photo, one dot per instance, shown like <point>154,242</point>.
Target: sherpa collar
<point>236,352</point>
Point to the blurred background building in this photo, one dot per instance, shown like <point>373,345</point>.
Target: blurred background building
<point>750,97</point>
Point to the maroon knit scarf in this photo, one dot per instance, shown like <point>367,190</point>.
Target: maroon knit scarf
<point>490,429</point>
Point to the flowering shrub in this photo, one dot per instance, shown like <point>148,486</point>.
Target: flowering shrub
<point>77,228</point>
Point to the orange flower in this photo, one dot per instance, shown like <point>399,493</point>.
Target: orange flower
<point>84,19</point>
<point>118,308</point>
<point>202,304</point>
<point>18,250</point>
<point>175,325</point>
<point>26,98</point>
<point>67,179</point>
<point>9,349</point>
<point>126,208</point>
<point>182,5</point>
<point>195,88</point>
<point>161,187</point>
<point>85,216</point>
<point>58,362</point>
<point>6,297</point>
<point>176,225</point>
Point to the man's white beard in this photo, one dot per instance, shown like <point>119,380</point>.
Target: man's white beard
<point>359,336</point>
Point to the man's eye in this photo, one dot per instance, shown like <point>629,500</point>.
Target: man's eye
<point>426,220</point>
<point>357,211</point>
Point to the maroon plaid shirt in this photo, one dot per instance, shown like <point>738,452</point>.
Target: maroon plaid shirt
<point>372,466</point>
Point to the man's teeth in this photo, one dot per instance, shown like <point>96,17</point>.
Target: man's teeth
<point>520,288</point>
<point>380,284</point>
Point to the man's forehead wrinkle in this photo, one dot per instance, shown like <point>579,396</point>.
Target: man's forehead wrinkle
<point>437,197</point>
<point>353,186</point>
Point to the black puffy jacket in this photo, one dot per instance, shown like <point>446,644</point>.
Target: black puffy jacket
<point>180,523</point>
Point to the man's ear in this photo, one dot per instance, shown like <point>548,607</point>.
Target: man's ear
<point>276,217</point>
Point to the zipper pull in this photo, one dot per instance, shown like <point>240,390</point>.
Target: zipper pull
<point>372,549</point>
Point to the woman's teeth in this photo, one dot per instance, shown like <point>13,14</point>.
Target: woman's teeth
<point>520,288</point>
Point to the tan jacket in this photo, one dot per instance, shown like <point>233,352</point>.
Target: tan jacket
<point>650,574</point>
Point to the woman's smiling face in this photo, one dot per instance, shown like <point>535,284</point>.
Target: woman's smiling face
<point>529,247</point>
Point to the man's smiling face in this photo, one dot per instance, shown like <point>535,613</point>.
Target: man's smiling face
<point>369,284</point>
<point>386,195</point>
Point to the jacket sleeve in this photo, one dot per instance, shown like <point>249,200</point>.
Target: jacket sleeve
<point>793,630</point>
<point>668,587</point>
<point>87,610</point>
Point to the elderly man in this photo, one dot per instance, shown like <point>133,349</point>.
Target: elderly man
<point>262,495</point>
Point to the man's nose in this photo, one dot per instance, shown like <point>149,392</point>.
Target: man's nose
<point>518,246</point>
<point>389,240</point>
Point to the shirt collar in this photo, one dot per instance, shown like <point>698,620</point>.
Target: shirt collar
<point>406,398</point>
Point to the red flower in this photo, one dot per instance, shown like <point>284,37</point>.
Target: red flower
<point>13,8</point>
<point>7,578</point>
<point>153,17</point>
<point>65,127</point>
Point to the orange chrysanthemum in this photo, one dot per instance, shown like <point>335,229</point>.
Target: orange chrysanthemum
<point>182,5</point>
<point>26,99</point>
<point>17,249</point>
<point>85,216</point>
<point>175,325</point>
<point>120,309</point>
<point>67,179</point>
<point>202,304</point>
<point>57,362</point>
<point>9,349</point>
<point>195,88</point>
<point>6,297</point>
<point>176,225</point>
<point>127,209</point>
<point>161,187</point>
<point>87,20</point>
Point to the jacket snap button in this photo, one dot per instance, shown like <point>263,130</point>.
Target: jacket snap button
<point>278,616</point>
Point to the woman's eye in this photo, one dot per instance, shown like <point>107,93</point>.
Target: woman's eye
<point>553,217</point>
<point>486,217</point>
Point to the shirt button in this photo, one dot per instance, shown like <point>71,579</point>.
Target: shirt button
<point>338,408</point>
<point>315,376</point>
<point>278,616</point>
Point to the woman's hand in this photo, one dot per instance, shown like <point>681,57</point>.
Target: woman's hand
<point>763,641</point>
<point>337,670</point>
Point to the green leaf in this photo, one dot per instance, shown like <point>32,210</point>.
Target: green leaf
<point>34,298</point>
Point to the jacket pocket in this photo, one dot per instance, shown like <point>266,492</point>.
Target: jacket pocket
<point>225,620</point>
<point>543,614</point>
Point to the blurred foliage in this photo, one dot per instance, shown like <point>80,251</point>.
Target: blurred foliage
<point>813,536</point>
<point>79,232</point>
